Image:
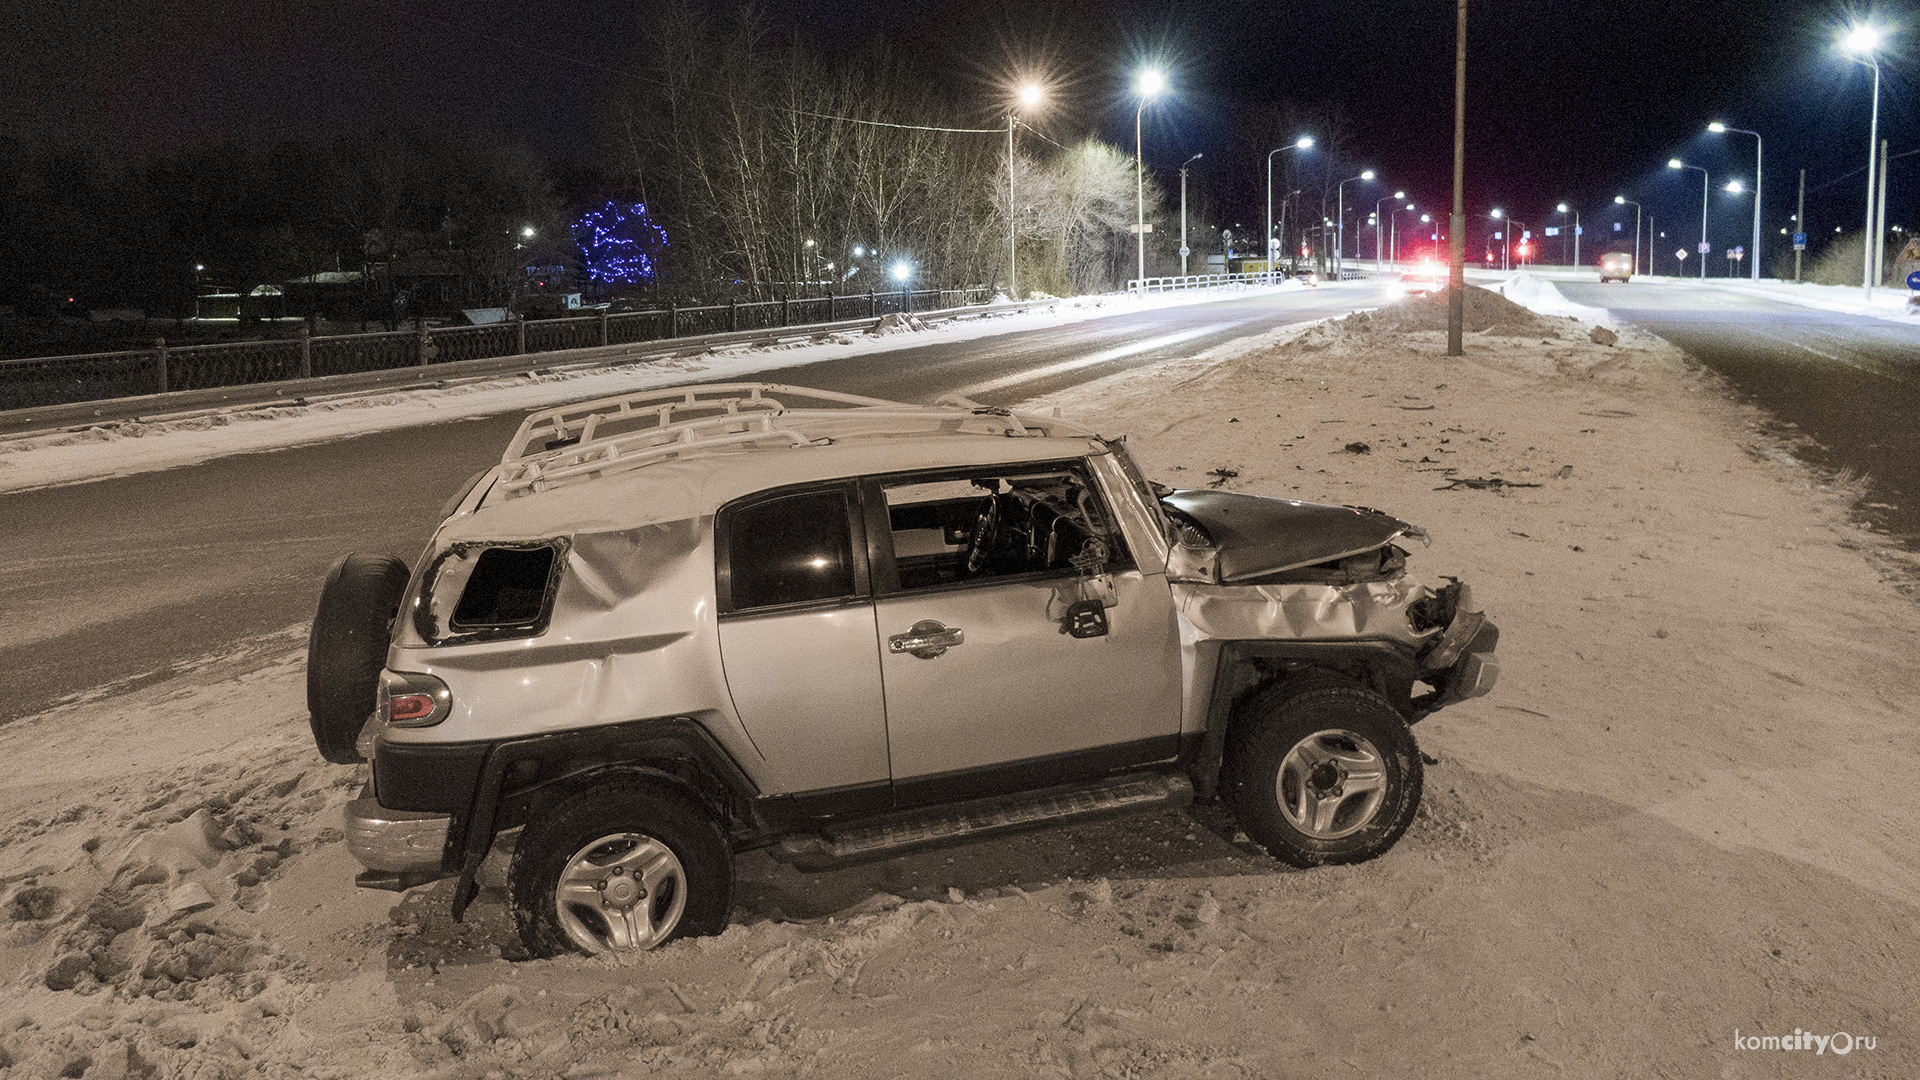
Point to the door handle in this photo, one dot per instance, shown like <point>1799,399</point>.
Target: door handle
<point>927,639</point>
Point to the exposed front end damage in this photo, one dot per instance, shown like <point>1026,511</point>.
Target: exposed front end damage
<point>1267,585</point>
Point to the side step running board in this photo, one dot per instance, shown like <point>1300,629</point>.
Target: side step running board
<point>955,821</point>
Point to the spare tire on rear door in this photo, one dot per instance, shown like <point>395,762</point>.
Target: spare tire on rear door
<point>347,648</point>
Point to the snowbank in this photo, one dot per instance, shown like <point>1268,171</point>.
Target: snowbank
<point>1679,814</point>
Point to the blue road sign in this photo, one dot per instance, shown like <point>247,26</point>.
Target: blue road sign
<point>1799,239</point>
<point>1913,281</point>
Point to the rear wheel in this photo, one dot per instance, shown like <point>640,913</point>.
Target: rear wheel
<point>347,647</point>
<point>622,867</point>
<point>1322,772</point>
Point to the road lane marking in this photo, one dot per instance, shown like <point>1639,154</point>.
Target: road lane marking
<point>1092,359</point>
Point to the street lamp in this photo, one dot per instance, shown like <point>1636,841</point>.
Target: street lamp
<point>1506,238</point>
<point>1340,226</point>
<point>1301,143</point>
<point>1183,212</point>
<point>1676,163</point>
<point>1377,227</point>
<point>1562,210</point>
<point>1719,128</point>
<point>1029,97</point>
<point>1622,201</point>
<point>1864,39</point>
<point>1152,82</point>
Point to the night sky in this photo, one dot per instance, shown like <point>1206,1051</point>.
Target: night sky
<point>1566,101</point>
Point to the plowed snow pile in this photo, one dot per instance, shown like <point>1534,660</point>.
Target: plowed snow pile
<point>1684,811</point>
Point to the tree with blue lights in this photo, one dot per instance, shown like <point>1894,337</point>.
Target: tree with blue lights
<point>620,243</point>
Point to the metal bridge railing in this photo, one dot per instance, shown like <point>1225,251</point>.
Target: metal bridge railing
<point>36,382</point>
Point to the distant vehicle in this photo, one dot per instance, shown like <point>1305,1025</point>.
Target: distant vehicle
<point>1616,266</point>
<point>1424,281</point>
<point>1306,276</point>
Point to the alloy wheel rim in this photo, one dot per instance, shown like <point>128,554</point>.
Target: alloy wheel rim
<point>1331,784</point>
<point>622,892</point>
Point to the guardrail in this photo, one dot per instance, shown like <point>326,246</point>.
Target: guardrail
<point>183,404</point>
<point>1200,281</point>
<point>36,382</point>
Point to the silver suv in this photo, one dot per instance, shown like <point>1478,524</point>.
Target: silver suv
<point>676,625</point>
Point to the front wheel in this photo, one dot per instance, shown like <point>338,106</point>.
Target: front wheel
<point>622,867</point>
<point>1322,773</point>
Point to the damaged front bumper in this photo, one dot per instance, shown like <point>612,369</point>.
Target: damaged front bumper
<point>399,848</point>
<point>1461,665</point>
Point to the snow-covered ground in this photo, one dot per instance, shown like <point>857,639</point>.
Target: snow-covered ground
<point>1892,303</point>
<point>65,457</point>
<point>1681,814</point>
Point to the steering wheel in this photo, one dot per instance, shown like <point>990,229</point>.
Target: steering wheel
<point>984,528</point>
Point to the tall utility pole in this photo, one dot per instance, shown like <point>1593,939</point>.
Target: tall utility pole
<point>1878,241</point>
<point>1457,224</point>
<point>1800,226</point>
<point>1183,212</point>
<point>1013,242</point>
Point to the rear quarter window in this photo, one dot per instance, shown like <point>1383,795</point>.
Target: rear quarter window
<point>480,592</point>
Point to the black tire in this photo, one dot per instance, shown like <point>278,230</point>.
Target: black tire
<point>347,647</point>
<point>682,887</point>
<point>1295,758</point>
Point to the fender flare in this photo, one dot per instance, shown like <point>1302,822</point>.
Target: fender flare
<point>521,777</point>
<point>1387,667</point>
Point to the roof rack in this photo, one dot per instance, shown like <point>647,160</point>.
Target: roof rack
<point>615,434</point>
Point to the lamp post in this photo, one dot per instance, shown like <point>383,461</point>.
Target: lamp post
<point>1563,212</point>
<point>1506,240</point>
<point>1864,39</point>
<point>1029,96</point>
<point>1340,225</point>
<point>1622,200</point>
<point>1379,227</point>
<point>1301,143</point>
<point>1734,187</point>
<point>1676,163</point>
<point>1286,201</point>
<point>1719,128</point>
<point>1183,211</point>
<point>1512,223</point>
<point>1151,83</point>
<point>1395,216</point>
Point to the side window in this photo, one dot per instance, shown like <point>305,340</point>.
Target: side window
<point>953,529</point>
<point>790,550</point>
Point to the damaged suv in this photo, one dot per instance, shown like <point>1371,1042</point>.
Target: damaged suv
<point>676,625</point>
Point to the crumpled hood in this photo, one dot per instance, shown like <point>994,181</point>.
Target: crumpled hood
<point>1254,535</point>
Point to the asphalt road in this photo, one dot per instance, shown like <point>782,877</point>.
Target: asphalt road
<point>1849,383</point>
<point>125,581</point>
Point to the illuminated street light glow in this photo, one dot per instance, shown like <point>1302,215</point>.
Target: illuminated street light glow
<point>1152,83</point>
<point>1735,187</point>
<point>902,270</point>
<point>1864,38</point>
<point>527,231</point>
<point>1030,95</point>
<point>1303,142</point>
<point>1717,128</point>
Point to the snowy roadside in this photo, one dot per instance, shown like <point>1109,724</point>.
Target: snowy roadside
<point>1679,814</point>
<point>1885,303</point>
<point>124,448</point>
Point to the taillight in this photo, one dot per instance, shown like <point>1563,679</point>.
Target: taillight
<point>413,699</point>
